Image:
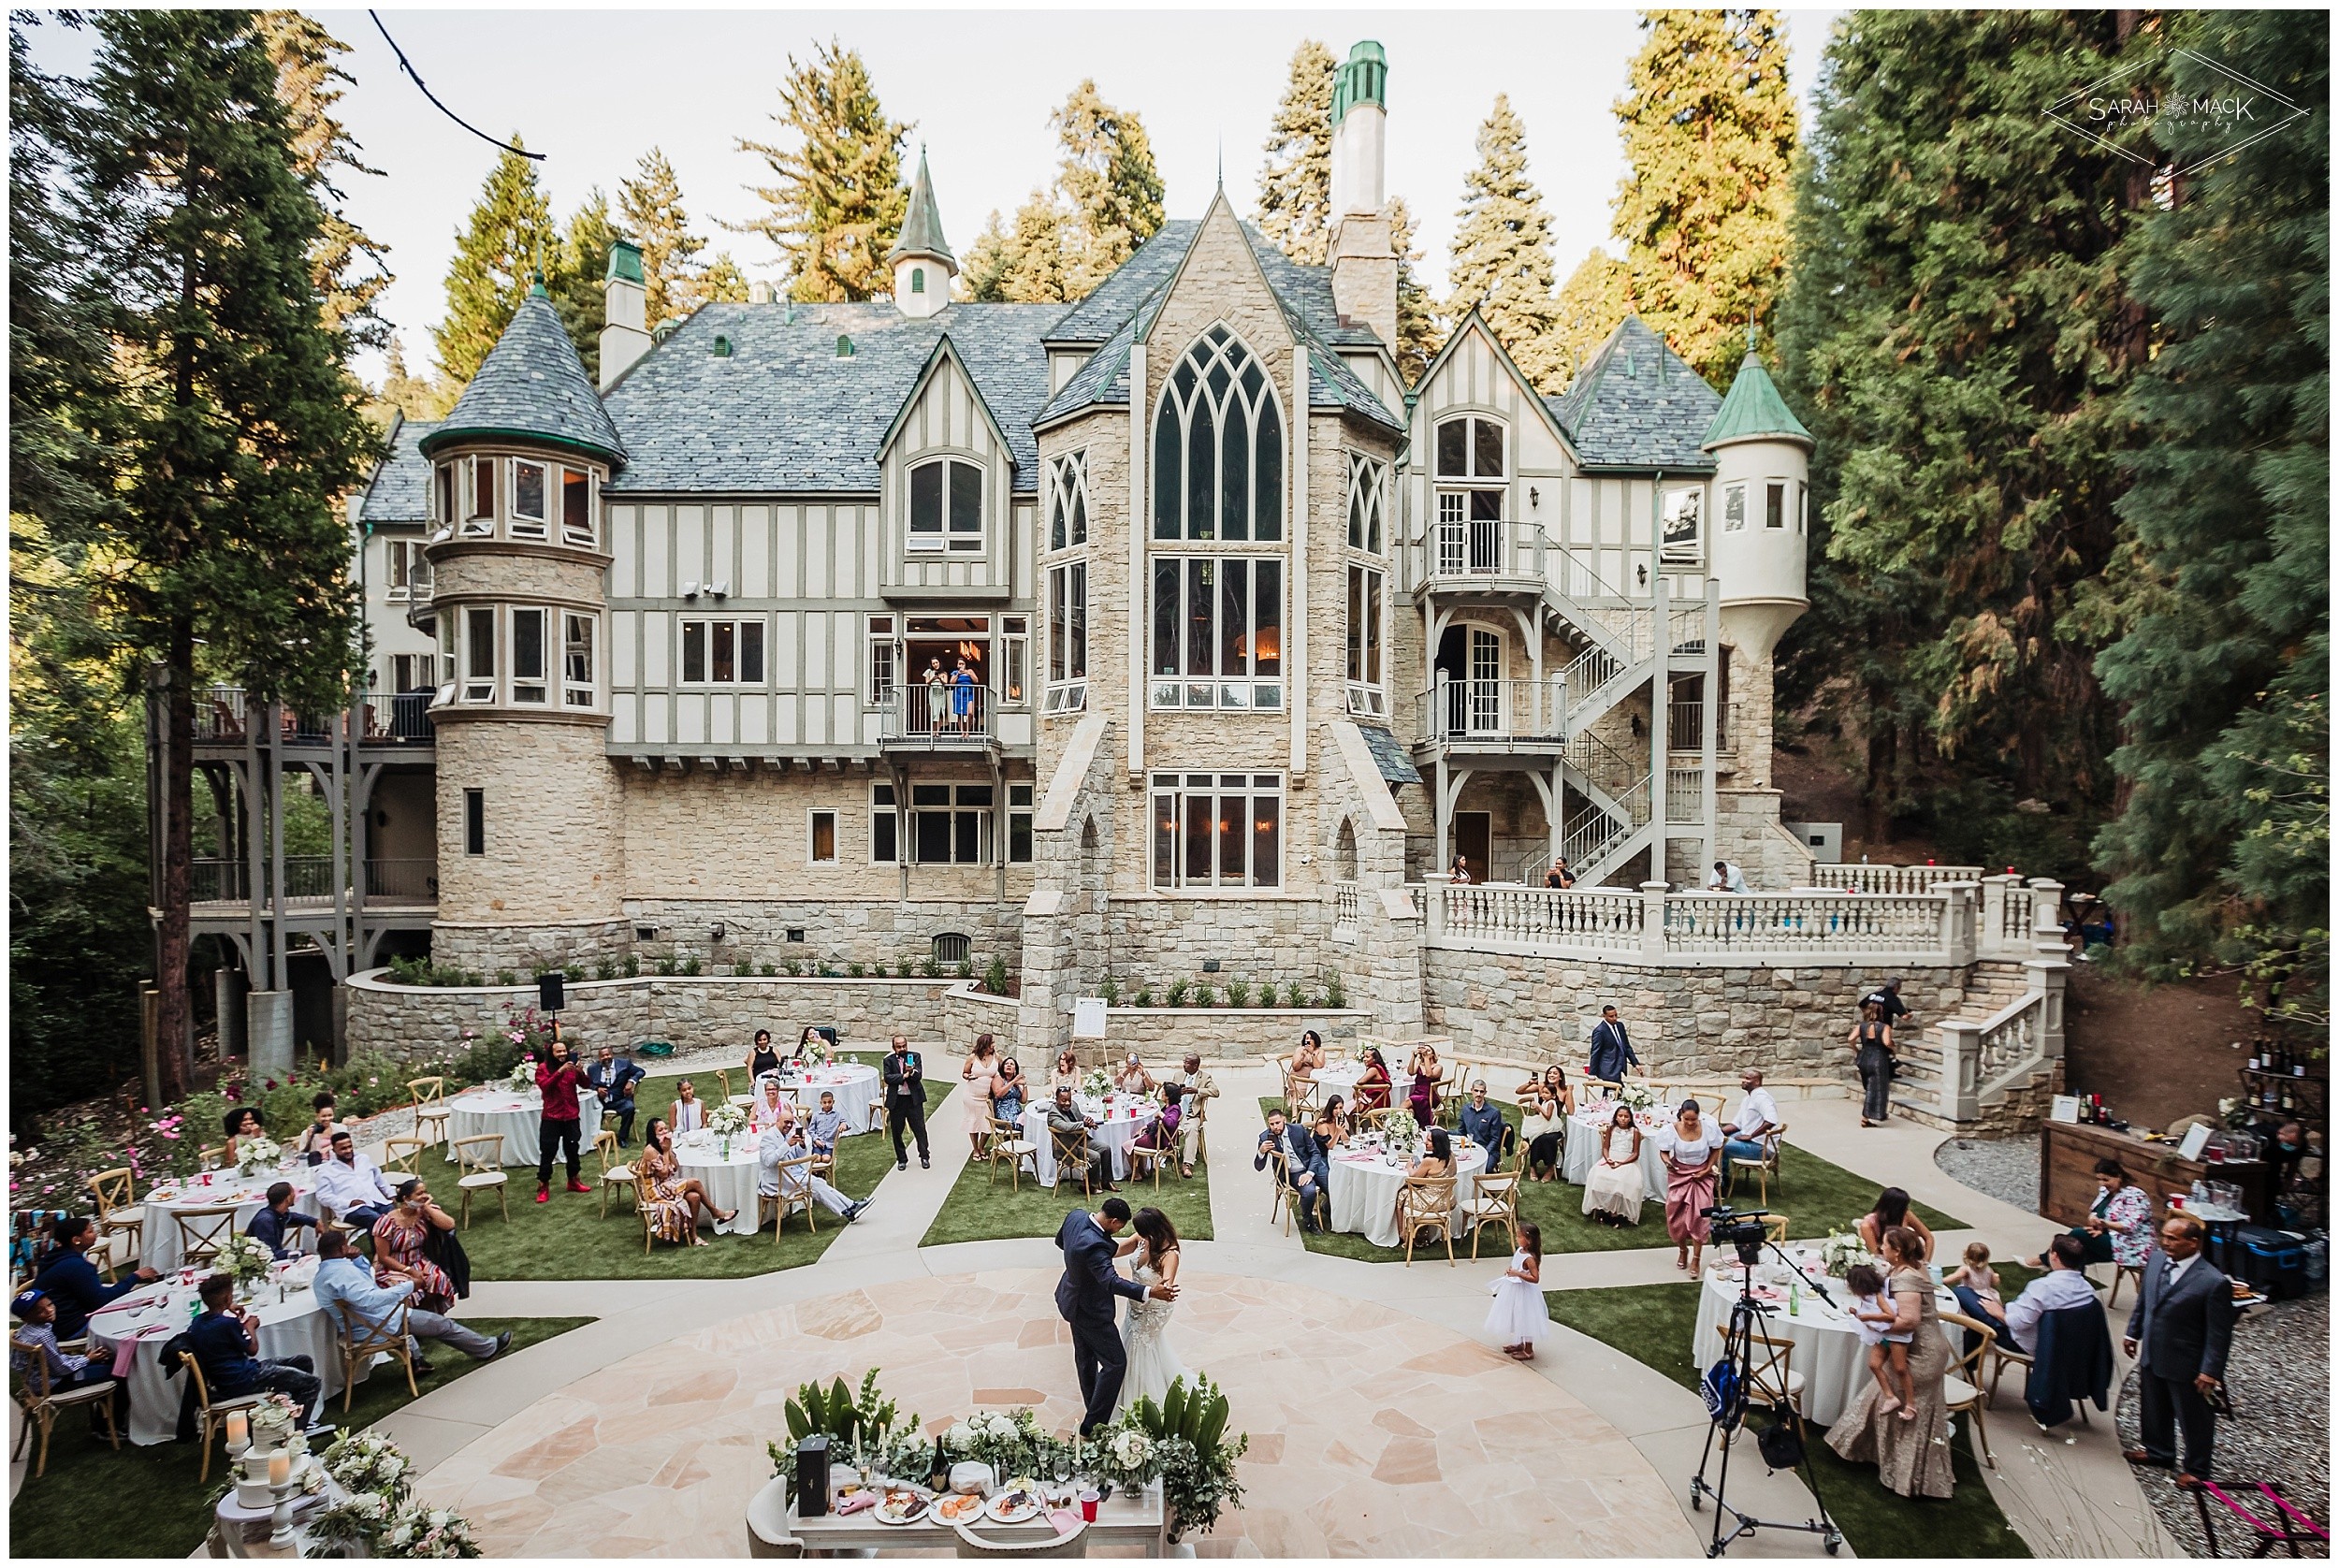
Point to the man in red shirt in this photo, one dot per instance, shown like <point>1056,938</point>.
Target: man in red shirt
<point>558,1077</point>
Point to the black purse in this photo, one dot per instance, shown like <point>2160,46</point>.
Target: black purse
<point>1781,1445</point>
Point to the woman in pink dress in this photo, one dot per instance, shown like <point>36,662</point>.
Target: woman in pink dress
<point>980,1072</point>
<point>398,1241</point>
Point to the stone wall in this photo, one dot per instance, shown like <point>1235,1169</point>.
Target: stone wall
<point>1796,1020</point>
<point>836,932</point>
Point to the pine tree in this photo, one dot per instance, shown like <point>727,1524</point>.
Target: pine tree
<point>651,204</point>
<point>350,265</point>
<point>1295,183</point>
<point>1030,263</point>
<point>1709,137</point>
<point>1961,343</point>
<point>1592,303</point>
<point>1109,185</point>
<point>2221,847</point>
<point>1502,254</point>
<point>403,391</point>
<point>580,265</point>
<point>839,200</point>
<point>982,266</point>
<point>497,256</point>
<point>238,428</point>
<point>720,282</point>
<point>1418,335</point>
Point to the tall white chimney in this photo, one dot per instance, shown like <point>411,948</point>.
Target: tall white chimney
<point>1363,255</point>
<point>624,313</point>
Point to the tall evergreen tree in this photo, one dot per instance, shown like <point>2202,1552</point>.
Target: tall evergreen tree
<point>1501,259</point>
<point>2221,849</point>
<point>351,267</point>
<point>1029,263</point>
<point>1962,343</point>
<point>498,252</point>
<point>1109,185</point>
<point>579,266</point>
<point>651,204</point>
<point>1294,183</point>
<point>1710,137</point>
<point>1592,303</point>
<point>720,282</point>
<point>839,201</point>
<point>404,392</point>
<point>238,430</point>
<point>1418,335</point>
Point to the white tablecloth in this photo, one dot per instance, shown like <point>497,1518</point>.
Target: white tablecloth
<point>1119,1120</point>
<point>1585,1130</point>
<point>519,1118</point>
<point>730,1183</point>
<point>296,1325</point>
<point>1364,1191</point>
<point>855,1086</point>
<point>158,1242</point>
<point>1827,1348</point>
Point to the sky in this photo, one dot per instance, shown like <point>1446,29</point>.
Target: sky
<point>593,90</point>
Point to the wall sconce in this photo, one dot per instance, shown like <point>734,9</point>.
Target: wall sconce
<point>1534,495</point>
<point>1640,573</point>
<point>715,934</point>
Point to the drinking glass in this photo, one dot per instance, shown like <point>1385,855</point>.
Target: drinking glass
<point>1060,1464</point>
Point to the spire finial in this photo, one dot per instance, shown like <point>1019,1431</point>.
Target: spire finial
<point>1752,332</point>
<point>1222,162</point>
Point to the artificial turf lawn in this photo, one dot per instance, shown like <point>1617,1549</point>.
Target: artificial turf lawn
<point>1653,1323</point>
<point>147,1502</point>
<point>979,1210</point>
<point>567,1238</point>
<point>1814,1195</point>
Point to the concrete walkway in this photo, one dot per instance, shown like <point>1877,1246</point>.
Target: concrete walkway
<point>2068,1496</point>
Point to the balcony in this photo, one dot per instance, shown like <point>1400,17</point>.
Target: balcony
<point>226,885</point>
<point>1493,715</point>
<point>939,718</point>
<point>225,716</point>
<point>1686,727</point>
<point>1485,556</point>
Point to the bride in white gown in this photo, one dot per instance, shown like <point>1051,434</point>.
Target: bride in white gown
<point>1145,1330</point>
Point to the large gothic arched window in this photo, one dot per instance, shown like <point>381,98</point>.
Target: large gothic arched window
<point>1218,446</point>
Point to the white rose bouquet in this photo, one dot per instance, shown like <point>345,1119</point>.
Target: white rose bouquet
<point>1637,1096</point>
<point>353,1524</point>
<point>258,1153</point>
<point>245,1258</point>
<point>428,1532</point>
<point>523,1076</point>
<point>1839,1252</point>
<point>368,1462</point>
<point>815,1050</point>
<point>1129,1455</point>
<point>1095,1085</point>
<point>726,1120</point>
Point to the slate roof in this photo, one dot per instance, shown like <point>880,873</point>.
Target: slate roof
<point>782,413</point>
<point>401,490</point>
<point>1754,410</point>
<point>1638,406</point>
<point>1396,767</point>
<point>532,384</point>
<point>921,228</point>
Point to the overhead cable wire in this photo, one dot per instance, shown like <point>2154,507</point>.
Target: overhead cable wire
<point>408,67</point>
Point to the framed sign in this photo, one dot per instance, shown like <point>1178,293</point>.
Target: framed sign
<point>1088,1018</point>
<point>2065,1109</point>
<point>2196,1139</point>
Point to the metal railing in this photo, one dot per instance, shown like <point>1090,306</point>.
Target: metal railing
<point>228,713</point>
<point>1476,547</point>
<point>1685,795</point>
<point>1685,727</point>
<point>309,877</point>
<point>938,716</point>
<point>1492,710</point>
<point>1590,839</point>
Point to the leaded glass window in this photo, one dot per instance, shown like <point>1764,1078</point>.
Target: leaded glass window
<point>1218,446</point>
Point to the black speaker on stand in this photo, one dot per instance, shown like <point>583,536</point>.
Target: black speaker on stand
<point>552,994</point>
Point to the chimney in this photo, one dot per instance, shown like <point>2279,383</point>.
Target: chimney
<point>624,313</point>
<point>758,292</point>
<point>1364,257</point>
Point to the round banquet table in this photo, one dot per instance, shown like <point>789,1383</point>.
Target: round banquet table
<point>1119,1119</point>
<point>517,1118</point>
<point>1364,1187</point>
<point>730,1183</point>
<point>1581,1150</point>
<point>1827,1348</point>
<point>145,1320</point>
<point>854,1084</point>
<point>158,1239</point>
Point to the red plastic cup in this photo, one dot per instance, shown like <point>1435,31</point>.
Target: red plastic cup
<point>1088,1505</point>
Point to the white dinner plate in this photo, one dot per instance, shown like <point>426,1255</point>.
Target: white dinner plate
<point>998,1509</point>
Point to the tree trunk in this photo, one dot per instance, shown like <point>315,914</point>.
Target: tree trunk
<point>177,850</point>
<point>1884,756</point>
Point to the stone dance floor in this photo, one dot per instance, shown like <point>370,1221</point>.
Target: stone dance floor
<point>1373,1433</point>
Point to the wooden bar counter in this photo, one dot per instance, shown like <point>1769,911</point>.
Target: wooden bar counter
<point>2067,1172</point>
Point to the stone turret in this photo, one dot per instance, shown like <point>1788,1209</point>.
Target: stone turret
<point>529,810</point>
<point>1762,462</point>
<point>1363,250</point>
<point>921,261</point>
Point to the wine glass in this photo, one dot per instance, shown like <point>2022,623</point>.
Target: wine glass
<point>1060,1464</point>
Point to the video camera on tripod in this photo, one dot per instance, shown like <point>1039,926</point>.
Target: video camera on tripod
<point>1742,1230</point>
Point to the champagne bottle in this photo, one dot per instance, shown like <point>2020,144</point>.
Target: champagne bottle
<point>938,1477</point>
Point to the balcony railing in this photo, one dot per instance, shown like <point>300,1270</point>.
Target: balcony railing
<point>1685,727</point>
<point>1688,929</point>
<point>938,716</point>
<point>1492,710</point>
<point>309,879</point>
<point>1891,879</point>
<point>226,714</point>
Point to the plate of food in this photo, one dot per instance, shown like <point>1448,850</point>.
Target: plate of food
<point>1013,1507</point>
<point>900,1508</point>
<point>958,1507</point>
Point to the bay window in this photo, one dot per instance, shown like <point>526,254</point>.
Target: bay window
<point>577,661</point>
<point>1217,830</point>
<point>1217,631</point>
<point>1068,500</point>
<point>479,654</point>
<point>528,499</point>
<point>576,509</point>
<point>1366,693</point>
<point>529,671</point>
<point>1368,491</point>
<point>1218,446</point>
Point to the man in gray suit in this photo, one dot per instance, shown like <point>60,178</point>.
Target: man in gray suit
<point>2182,1327</point>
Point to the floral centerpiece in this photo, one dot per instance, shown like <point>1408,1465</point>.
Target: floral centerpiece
<point>1839,1252</point>
<point>258,1153</point>
<point>1637,1097</point>
<point>1183,1443</point>
<point>368,1462</point>
<point>351,1527</point>
<point>245,1259</point>
<point>1008,1442</point>
<point>1094,1085</point>
<point>815,1052</point>
<point>726,1122</point>
<point>524,1076</point>
<point>429,1533</point>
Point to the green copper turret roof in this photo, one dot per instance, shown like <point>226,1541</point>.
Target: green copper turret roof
<point>532,387</point>
<point>1362,80</point>
<point>625,261</point>
<point>1754,410</point>
<point>921,227</point>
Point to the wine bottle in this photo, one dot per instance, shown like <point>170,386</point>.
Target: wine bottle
<point>938,1478</point>
<point>2254,1056</point>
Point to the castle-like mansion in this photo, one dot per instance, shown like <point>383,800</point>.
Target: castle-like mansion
<point>1163,636</point>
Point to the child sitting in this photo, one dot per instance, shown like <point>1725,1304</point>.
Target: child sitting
<point>1876,1316</point>
<point>825,1125</point>
<point>1976,1275</point>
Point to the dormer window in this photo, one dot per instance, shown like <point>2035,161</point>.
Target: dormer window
<point>917,280</point>
<point>844,346</point>
<point>1469,449</point>
<point>1471,477</point>
<point>946,507</point>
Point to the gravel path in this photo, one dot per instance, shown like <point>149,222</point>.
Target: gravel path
<point>2279,1375</point>
<point>2007,1170</point>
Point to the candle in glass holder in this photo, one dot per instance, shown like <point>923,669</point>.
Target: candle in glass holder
<point>238,1431</point>
<point>279,1467</point>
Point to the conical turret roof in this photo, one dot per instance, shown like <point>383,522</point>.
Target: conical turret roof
<point>532,387</point>
<point>1754,410</point>
<point>921,227</point>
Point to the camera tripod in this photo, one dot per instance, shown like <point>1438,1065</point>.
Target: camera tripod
<point>1738,1354</point>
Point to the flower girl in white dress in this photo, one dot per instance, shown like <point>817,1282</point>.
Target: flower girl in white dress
<point>1145,1330</point>
<point>1518,1318</point>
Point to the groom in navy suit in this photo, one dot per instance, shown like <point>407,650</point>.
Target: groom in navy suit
<point>1084,1297</point>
